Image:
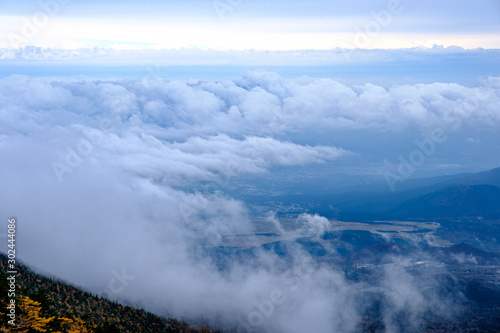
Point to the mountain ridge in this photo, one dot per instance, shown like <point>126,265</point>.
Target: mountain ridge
<point>452,201</point>
<point>60,300</point>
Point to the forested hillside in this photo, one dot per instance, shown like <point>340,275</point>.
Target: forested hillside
<point>47,305</point>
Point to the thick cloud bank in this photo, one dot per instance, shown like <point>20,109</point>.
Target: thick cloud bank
<point>106,179</point>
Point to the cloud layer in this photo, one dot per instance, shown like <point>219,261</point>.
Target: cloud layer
<point>349,53</point>
<point>107,177</point>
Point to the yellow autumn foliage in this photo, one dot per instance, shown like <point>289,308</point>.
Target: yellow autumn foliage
<point>29,317</point>
<point>74,325</point>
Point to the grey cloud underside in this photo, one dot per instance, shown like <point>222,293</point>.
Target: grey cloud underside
<point>94,172</point>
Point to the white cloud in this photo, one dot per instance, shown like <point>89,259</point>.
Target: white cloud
<point>197,55</point>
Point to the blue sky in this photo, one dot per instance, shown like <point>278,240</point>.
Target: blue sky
<point>256,24</point>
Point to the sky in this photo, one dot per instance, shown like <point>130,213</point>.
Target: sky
<point>243,24</point>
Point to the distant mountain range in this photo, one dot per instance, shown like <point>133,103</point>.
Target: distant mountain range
<point>469,194</point>
<point>452,201</point>
<point>349,198</point>
<point>490,177</point>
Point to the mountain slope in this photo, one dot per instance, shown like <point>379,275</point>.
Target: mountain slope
<point>489,177</point>
<point>452,201</point>
<point>65,303</point>
<point>375,203</point>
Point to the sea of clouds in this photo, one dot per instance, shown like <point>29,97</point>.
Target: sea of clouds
<point>97,173</point>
